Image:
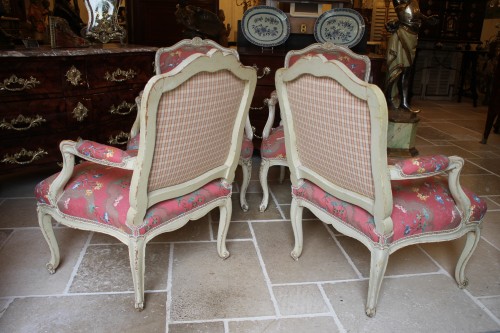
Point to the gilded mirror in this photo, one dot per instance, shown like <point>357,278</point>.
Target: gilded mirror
<point>103,21</point>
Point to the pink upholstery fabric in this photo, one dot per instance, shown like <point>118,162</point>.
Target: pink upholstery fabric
<point>170,60</point>
<point>274,145</point>
<point>420,165</point>
<point>357,66</point>
<point>246,148</point>
<point>100,194</point>
<point>99,151</point>
<point>133,142</point>
<point>419,206</point>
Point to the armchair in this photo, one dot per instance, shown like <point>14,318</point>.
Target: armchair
<point>172,60</point>
<point>190,140</point>
<point>337,155</point>
<point>272,149</point>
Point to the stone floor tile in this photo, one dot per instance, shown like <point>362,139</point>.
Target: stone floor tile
<point>306,213</point>
<point>18,213</point>
<point>431,134</point>
<point>483,268</point>
<point>237,230</point>
<point>4,235</point>
<point>429,303</point>
<point>321,258</point>
<point>490,164</point>
<point>282,192</point>
<point>25,255</point>
<point>493,304</point>
<point>482,185</point>
<point>106,268</point>
<point>204,286</point>
<point>299,299</point>
<point>491,228</point>
<point>408,260</point>
<point>85,314</point>
<point>446,150</point>
<point>254,199</point>
<point>286,325</point>
<point>207,327</point>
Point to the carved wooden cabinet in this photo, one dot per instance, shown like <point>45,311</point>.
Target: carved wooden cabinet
<point>50,95</point>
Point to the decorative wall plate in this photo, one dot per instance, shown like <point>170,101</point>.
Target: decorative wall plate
<point>341,26</point>
<point>265,26</point>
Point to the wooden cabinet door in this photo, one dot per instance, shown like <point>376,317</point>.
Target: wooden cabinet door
<point>153,22</point>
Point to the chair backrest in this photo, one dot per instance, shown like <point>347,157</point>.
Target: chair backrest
<point>173,58</point>
<point>191,128</point>
<point>336,132</point>
<point>359,64</point>
<point>169,58</point>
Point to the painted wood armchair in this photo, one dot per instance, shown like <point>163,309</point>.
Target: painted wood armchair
<point>272,149</point>
<point>172,60</point>
<point>337,155</point>
<point>192,126</point>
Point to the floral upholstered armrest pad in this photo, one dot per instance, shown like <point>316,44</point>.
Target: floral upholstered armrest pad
<point>99,152</point>
<point>420,166</point>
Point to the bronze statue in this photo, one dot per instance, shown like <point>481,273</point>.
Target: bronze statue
<point>401,51</point>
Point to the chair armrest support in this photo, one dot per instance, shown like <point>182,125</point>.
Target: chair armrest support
<point>271,104</point>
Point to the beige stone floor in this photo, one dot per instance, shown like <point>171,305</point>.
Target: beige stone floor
<point>259,288</point>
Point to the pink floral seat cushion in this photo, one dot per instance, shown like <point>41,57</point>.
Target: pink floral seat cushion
<point>419,206</point>
<point>246,148</point>
<point>100,194</point>
<point>274,145</point>
<point>420,165</point>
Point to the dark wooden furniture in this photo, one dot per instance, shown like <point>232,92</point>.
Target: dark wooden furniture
<point>153,22</point>
<point>459,20</point>
<point>47,95</point>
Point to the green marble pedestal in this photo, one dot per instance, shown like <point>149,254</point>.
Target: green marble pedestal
<point>401,134</point>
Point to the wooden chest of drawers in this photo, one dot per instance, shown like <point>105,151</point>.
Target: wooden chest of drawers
<point>50,95</point>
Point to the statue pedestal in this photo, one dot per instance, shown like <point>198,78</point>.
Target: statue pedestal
<point>401,134</point>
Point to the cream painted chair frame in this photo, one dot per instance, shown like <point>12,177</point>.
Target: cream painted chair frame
<point>197,42</point>
<point>266,163</point>
<point>141,198</point>
<point>381,206</point>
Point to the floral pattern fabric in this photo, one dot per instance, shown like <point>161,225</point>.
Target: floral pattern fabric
<point>420,165</point>
<point>100,194</point>
<point>274,145</point>
<point>246,148</point>
<point>102,152</point>
<point>419,206</point>
<point>357,66</point>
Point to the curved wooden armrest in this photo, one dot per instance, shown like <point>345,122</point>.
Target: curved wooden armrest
<point>271,104</point>
<point>91,151</point>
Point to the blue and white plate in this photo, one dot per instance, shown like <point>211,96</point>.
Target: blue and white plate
<point>265,26</point>
<point>341,26</point>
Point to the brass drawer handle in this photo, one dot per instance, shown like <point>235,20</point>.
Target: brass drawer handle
<point>30,122</point>
<point>120,75</point>
<point>18,84</point>
<point>74,76</point>
<point>128,107</point>
<point>265,71</point>
<point>24,156</point>
<point>120,139</point>
<point>80,112</point>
